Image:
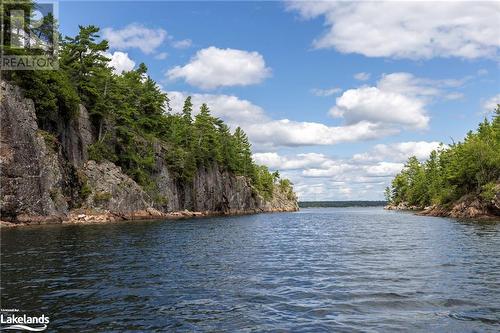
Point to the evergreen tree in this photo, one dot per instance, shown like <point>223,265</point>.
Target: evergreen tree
<point>187,110</point>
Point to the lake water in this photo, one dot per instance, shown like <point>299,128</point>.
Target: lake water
<point>354,269</point>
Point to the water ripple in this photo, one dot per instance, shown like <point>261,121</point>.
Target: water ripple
<point>319,270</point>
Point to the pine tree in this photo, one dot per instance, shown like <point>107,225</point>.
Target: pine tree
<point>244,163</point>
<point>187,110</point>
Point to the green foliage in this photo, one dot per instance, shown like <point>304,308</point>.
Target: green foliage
<point>263,181</point>
<point>489,191</point>
<point>471,166</point>
<point>99,151</point>
<point>50,140</point>
<point>285,186</point>
<point>52,93</point>
<point>102,197</point>
<point>85,191</point>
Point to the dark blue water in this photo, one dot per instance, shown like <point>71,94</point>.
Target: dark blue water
<point>317,270</point>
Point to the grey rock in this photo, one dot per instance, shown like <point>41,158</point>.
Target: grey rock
<point>31,179</point>
<point>112,190</point>
<point>75,137</point>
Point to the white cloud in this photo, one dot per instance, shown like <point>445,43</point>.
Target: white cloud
<point>120,61</point>
<point>301,161</point>
<point>397,99</point>
<point>490,104</point>
<point>384,169</point>
<point>334,169</point>
<point>135,36</point>
<point>320,177</point>
<point>232,109</point>
<point>182,44</point>
<point>376,105</point>
<point>398,152</point>
<point>285,132</point>
<point>362,76</point>
<point>325,92</point>
<point>408,85</point>
<point>213,67</point>
<point>416,30</point>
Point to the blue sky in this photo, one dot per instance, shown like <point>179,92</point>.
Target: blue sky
<point>335,95</point>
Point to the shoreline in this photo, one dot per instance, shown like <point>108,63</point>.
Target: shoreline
<point>435,211</point>
<point>79,217</point>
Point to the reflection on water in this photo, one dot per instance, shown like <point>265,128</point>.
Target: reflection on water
<point>315,270</point>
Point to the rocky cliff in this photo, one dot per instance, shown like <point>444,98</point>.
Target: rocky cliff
<point>47,178</point>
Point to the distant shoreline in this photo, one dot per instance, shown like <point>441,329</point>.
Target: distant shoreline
<point>340,204</point>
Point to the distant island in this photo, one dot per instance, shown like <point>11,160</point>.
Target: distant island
<point>325,204</point>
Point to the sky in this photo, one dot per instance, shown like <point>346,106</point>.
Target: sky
<point>336,95</point>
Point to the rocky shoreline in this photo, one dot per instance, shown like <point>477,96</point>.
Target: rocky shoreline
<point>468,207</point>
<point>93,217</point>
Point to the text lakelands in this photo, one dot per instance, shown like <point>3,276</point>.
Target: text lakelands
<point>23,319</point>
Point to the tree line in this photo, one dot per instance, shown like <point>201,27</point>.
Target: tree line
<point>128,112</point>
<point>468,167</point>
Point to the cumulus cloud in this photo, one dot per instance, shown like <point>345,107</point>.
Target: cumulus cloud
<point>491,103</point>
<point>135,36</point>
<point>384,169</point>
<point>362,76</point>
<point>212,67</point>
<point>318,176</point>
<point>301,161</point>
<point>408,85</point>
<point>397,99</point>
<point>232,109</point>
<point>413,30</point>
<point>399,152</point>
<point>120,62</point>
<point>377,105</point>
<point>285,132</point>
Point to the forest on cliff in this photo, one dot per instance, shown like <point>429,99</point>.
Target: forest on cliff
<point>470,167</point>
<point>130,113</point>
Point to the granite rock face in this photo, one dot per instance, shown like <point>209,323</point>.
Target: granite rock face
<point>75,137</point>
<point>109,189</point>
<point>31,177</point>
<point>49,178</point>
<point>214,189</point>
